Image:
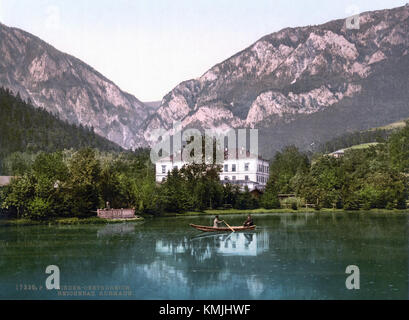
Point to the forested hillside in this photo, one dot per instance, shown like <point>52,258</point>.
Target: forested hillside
<point>348,140</point>
<point>364,178</point>
<point>25,128</point>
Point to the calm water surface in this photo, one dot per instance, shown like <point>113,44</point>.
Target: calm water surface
<point>287,257</point>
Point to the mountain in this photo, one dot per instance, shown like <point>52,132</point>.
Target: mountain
<point>152,106</point>
<point>68,87</point>
<point>301,86</point>
<point>27,128</point>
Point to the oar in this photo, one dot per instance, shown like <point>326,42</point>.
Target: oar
<point>228,237</point>
<point>228,226</point>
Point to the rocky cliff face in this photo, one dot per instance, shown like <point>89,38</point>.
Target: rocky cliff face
<point>68,87</point>
<point>288,80</point>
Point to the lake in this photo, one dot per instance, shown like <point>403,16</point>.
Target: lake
<point>302,256</point>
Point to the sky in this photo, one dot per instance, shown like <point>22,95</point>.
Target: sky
<point>147,47</point>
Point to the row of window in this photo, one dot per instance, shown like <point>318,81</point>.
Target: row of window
<point>226,178</point>
<point>233,167</point>
<point>261,168</point>
<point>260,179</point>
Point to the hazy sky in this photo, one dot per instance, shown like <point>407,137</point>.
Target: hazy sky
<point>147,47</point>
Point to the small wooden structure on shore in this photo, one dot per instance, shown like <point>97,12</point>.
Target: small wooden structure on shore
<point>116,213</point>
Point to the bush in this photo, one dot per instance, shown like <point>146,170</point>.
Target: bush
<point>401,204</point>
<point>390,206</point>
<point>293,202</point>
<point>39,209</point>
<point>270,201</point>
<point>352,203</point>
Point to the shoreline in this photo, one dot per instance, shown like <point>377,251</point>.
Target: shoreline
<point>65,221</point>
<point>280,211</point>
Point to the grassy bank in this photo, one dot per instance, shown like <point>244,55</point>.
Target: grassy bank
<point>278,211</point>
<point>64,221</point>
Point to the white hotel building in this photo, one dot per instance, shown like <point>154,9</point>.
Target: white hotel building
<point>251,171</point>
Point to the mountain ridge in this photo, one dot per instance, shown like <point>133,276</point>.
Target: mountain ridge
<point>68,87</point>
<point>283,75</point>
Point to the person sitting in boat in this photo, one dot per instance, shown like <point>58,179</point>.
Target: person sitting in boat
<point>216,222</point>
<point>249,222</point>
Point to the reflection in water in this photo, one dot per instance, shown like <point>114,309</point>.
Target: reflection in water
<point>255,287</point>
<point>244,244</point>
<point>116,229</point>
<point>163,273</point>
<point>235,244</point>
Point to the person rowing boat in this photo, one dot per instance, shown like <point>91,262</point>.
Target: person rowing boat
<point>217,222</point>
<point>249,222</point>
<point>221,229</point>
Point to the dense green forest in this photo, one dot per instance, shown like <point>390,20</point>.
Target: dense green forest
<point>24,128</point>
<point>375,177</point>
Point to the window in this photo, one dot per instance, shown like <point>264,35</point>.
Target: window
<point>226,178</point>
<point>175,167</point>
<point>163,169</point>
<point>246,166</point>
<point>246,178</point>
<point>233,167</point>
<point>234,178</point>
<point>163,179</point>
<point>226,168</point>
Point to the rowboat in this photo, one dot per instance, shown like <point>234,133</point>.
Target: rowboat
<point>213,229</point>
